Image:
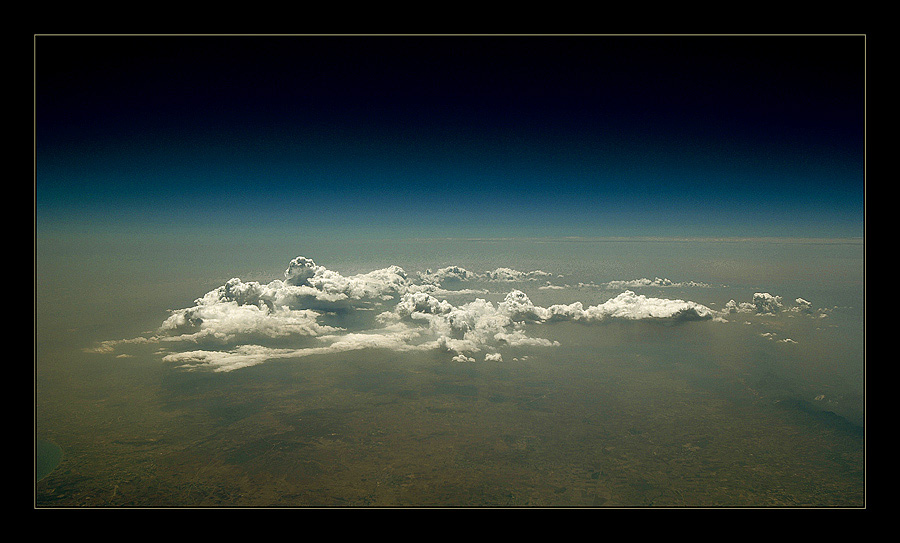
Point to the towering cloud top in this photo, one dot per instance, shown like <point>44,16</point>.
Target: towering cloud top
<point>301,270</point>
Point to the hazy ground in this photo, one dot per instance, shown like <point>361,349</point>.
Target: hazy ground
<point>707,413</point>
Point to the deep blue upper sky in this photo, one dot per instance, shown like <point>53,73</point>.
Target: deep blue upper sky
<point>453,136</point>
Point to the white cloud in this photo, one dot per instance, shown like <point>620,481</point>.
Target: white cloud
<point>642,283</point>
<point>805,307</point>
<point>421,302</point>
<point>437,290</point>
<point>317,311</point>
<point>519,307</point>
<point>227,319</point>
<point>449,274</point>
<point>301,270</point>
<point>462,358</point>
<point>631,306</point>
<point>305,279</point>
<point>657,282</point>
<point>397,339</point>
<point>456,274</point>
<point>240,357</point>
<point>472,326</point>
<point>771,336</point>
<point>763,303</point>
<point>509,275</point>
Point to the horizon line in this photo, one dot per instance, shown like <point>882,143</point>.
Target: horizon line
<point>781,239</point>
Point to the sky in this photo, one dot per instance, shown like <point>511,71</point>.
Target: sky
<point>631,228</point>
<point>451,136</point>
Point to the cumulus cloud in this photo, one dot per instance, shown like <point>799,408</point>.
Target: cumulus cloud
<point>509,275</point>
<point>453,276</point>
<point>772,336</point>
<point>316,311</point>
<point>631,306</point>
<point>468,327</point>
<point>763,303</point>
<point>549,286</point>
<point>767,304</point>
<point>462,358</point>
<point>227,319</point>
<point>304,278</point>
<point>450,274</point>
<point>642,283</point>
<point>457,274</point>
<point>804,306</point>
<point>657,282</point>
<point>423,303</point>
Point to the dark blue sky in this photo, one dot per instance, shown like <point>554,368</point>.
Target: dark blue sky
<point>453,136</point>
